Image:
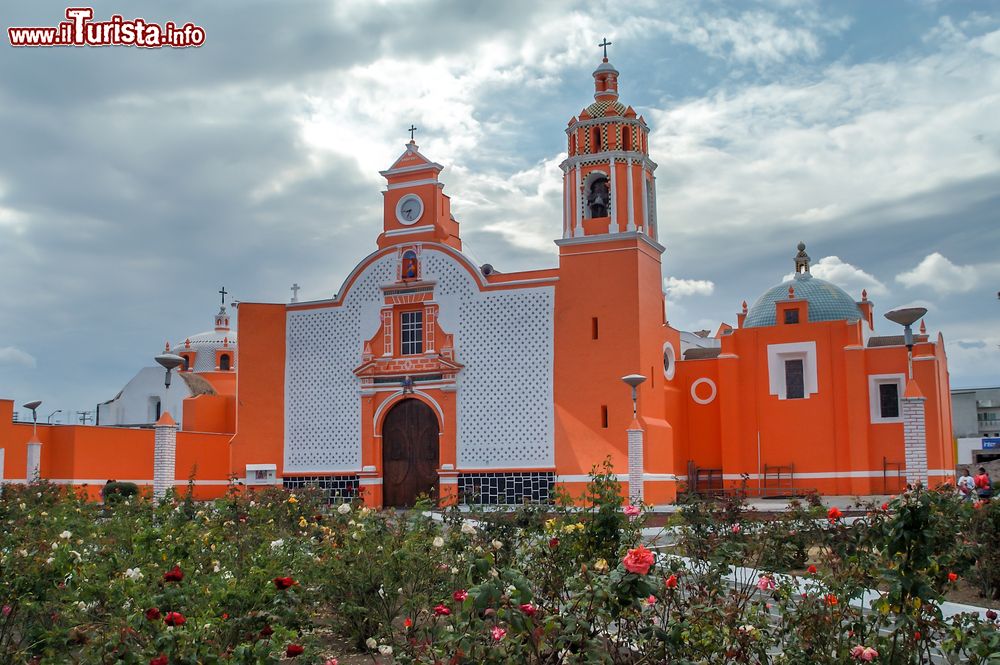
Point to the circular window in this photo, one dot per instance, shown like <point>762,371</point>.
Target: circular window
<point>669,361</point>
<point>704,395</point>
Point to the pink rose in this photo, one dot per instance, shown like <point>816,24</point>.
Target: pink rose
<point>638,561</point>
<point>497,632</point>
<point>766,583</point>
<point>633,511</point>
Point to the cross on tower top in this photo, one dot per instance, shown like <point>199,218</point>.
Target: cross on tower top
<point>605,44</point>
<point>223,292</point>
<point>295,292</point>
<point>411,130</point>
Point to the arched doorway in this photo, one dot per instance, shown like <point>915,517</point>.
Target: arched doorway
<point>409,453</point>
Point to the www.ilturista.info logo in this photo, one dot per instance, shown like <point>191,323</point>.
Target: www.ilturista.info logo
<point>80,30</point>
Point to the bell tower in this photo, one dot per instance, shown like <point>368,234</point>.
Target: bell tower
<point>608,182</point>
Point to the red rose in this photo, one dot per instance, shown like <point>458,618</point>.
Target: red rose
<point>266,631</point>
<point>885,506</point>
<point>811,570</point>
<point>554,543</point>
<point>638,561</point>
<point>916,635</point>
<point>174,619</point>
<point>460,595</point>
<point>159,660</point>
<point>152,614</point>
<point>442,611</point>
<point>294,650</point>
<point>834,514</point>
<point>991,615</point>
<point>407,622</point>
<point>671,582</point>
<point>173,575</point>
<point>284,583</point>
<point>830,599</point>
<point>952,577</point>
<point>529,609</point>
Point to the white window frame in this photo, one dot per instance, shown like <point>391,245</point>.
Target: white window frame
<point>875,403</point>
<point>410,327</point>
<point>777,354</point>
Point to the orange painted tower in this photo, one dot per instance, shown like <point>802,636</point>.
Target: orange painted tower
<point>610,311</point>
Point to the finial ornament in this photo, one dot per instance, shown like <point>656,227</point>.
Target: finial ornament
<point>801,260</point>
<point>744,306</point>
<point>605,44</point>
<point>791,292</point>
<point>412,130</point>
<point>923,327</point>
<point>864,295</point>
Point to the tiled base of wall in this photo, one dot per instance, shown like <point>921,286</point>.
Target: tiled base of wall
<point>505,488</point>
<point>338,488</point>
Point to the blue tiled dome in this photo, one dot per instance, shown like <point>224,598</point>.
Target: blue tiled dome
<point>827,302</point>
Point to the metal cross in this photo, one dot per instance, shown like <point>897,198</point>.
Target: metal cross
<point>605,44</point>
<point>223,292</point>
<point>295,292</point>
<point>411,130</point>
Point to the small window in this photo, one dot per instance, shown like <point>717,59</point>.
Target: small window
<point>597,140</point>
<point>791,315</point>
<point>626,138</point>
<point>187,362</point>
<point>572,144</point>
<point>594,330</point>
<point>224,363</point>
<point>888,400</point>
<point>604,416</point>
<point>412,333</point>
<point>794,379</point>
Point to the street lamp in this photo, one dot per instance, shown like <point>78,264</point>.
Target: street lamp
<point>906,317</point>
<point>169,361</point>
<point>634,380</point>
<point>33,407</point>
<point>49,419</point>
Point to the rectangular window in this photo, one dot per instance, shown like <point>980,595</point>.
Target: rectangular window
<point>593,328</point>
<point>794,380</point>
<point>888,399</point>
<point>604,416</point>
<point>791,316</point>
<point>411,329</point>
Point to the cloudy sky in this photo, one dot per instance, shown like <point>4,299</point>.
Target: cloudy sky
<point>134,183</point>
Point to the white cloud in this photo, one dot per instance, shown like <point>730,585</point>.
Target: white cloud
<point>937,272</point>
<point>680,288</point>
<point>10,355</point>
<point>830,148</point>
<point>848,277</point>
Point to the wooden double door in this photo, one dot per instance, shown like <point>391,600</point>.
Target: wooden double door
<point>409,453</point>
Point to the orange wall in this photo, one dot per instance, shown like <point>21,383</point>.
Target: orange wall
<point>260,416</point>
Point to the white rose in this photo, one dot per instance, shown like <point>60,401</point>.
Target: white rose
<point>49,560</point>
<point>371,643</point>
<point>438,541</point>
<point>275,544</point>
<point>497,544</point>
<point>55,546</point>
<point>344,508</point>
<point>385,650</point>
<point>133,574</point>
<point>467,528</point>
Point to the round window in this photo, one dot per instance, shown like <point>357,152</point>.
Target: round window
<point>669,361</point>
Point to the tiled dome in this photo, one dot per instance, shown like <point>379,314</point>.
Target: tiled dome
<point>827,302</point>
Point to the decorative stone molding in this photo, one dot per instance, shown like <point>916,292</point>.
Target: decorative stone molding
<point>164,455</point>
<point>636,445</point>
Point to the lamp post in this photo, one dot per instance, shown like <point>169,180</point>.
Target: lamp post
<point>33,451</point>
<point>49,419</point>
<point>634,380</point>
<point>169,361</point>
<point>906,317</point>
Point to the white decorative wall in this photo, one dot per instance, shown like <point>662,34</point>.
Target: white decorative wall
<point>322,395</point>
<point>504,339</point>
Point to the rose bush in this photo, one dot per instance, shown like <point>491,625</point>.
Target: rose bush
<point>269,576</point>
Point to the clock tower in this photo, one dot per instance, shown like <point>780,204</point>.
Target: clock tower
<point>415,206</point>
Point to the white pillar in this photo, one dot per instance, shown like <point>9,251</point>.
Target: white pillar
<point>164,455</point>
<point>645,205</point>
<point>566,204</point>
<point>578,205</point>
<point>630,194</point>
<point>636,446</point>
<point>915,439</point>
<point>34,466</point>
<point>613,200</point>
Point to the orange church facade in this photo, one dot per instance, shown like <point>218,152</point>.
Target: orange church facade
<point>429,374</point>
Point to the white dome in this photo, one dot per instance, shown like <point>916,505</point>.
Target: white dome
<point>205,344</point>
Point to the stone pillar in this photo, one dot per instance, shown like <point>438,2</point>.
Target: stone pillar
<point>915,434</point>
<point>164,455</point>
<point>636,450</point>
<point>34,455</point>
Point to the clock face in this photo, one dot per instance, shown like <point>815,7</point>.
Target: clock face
<point>409,209</point>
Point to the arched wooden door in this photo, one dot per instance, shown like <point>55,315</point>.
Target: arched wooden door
<point>409,453</point>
